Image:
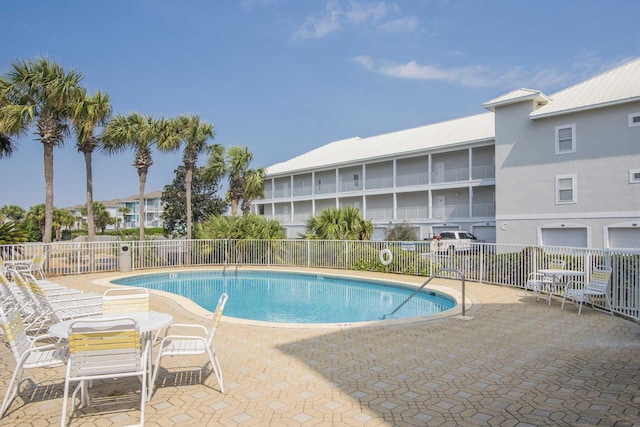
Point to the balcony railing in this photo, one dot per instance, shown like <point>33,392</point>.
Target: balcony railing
<point>378,183</point>
<point>419,212</point>
<point>379,214</point>
<point>450,211</point>
<point>483,172</point>
<point>282,193</point>
<point>450,175</point>
<point>325,188</point>
<point>406,180</point>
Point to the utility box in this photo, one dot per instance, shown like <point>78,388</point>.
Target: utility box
<point>124,258</point>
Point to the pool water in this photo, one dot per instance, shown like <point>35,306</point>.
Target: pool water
<point>294,297</point>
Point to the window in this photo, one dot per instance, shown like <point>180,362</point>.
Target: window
<point>566,189</point>
<point>634,176</point>
<point>634,120</point>
<point>565,139</point>
<point>319,184</point>
<point>356,180</point>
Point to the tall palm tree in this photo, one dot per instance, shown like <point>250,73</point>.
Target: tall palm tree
<point>90,112</point>
<point>141,133</point>
<point>237,164</point>
<point>194,134</point>
<point>253,188</point>
<point>39,92</point>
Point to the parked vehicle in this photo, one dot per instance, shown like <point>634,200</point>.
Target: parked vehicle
<point>456,241</point>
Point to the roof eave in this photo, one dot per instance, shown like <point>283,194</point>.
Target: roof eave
<point>375,158</point>
<point>534,116</point>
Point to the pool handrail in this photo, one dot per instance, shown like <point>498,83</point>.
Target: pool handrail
<point>425,283</point>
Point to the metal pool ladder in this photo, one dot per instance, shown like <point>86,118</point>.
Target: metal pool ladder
<point>426,282</point>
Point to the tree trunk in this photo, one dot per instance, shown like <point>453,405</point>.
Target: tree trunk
<point>48,199</point>
<point>91,227</point>
<point>187,180</point>
<point>142,176</point>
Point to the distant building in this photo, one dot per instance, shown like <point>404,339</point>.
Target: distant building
<point>126,212</point>
<point>562,169</point>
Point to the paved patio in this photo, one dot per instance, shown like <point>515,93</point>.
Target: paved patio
<point>512,362</point>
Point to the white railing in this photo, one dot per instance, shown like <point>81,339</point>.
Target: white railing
<point>507,265</point>
<point>377,183</point>
<point>406,180</point>
<point>483,172</point>
<point>383,214</point>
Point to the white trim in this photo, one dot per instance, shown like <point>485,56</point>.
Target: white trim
<point>632,179</point>
<point>534,116</point>
<point>571,126</point>
<point>575,215</point>
<point>633,123</point>
<point>574,186</point>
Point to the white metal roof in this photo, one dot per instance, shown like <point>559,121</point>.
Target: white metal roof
<point>619,85</point>
<point>514,96</point>
<point>439,135</point>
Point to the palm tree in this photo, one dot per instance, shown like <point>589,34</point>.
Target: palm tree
<point>194,134</point>
<point>244,184</point>
<point>253,188</point>
<point>339,224</point>
<point>123,211</point>
<point>36,214</point>
<point>90,112</point>
<point>6,146</point>
<point>62,218</point>
<point>13,212</point>
<point>39,92</point>
<point>140,133</point>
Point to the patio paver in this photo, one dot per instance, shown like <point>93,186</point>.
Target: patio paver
<point>512,362</point>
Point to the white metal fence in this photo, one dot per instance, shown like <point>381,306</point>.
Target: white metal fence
<point>507,265</point>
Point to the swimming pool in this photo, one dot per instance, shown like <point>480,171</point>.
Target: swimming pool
<point>284,297</point>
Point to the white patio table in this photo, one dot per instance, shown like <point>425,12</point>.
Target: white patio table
<point>557,275</point>
<point>148,321</point>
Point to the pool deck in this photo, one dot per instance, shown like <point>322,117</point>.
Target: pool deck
<point>511,361</point>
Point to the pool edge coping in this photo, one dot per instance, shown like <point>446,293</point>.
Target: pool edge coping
<point>187,304</point>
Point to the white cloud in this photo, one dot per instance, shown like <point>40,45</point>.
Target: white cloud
<point>547,79</point>
<point>401,25</point>
<point>365,61</point>
<point>338,15</point>
<point>358,13</point>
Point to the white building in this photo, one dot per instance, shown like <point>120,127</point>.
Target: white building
<point>562,169</point>
<point>127,212</point>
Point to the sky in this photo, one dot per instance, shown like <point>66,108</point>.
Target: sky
<point>283,77</point>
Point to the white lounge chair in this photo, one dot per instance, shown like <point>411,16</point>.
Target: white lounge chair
<point>125,300</point>
<point>27,353</point>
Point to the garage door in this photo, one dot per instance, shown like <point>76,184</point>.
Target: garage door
<point>624,237</point>
<point>573,237</point>
<point>485,232</point>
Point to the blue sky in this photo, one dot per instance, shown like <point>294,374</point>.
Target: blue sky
<point>283,77</point>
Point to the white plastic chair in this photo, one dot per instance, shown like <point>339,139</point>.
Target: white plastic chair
<point>198,341</point>
<point>125,300</point>
<point>28,354</point>
<point>535,282</point>
<point>598,286</point>
<point>104,349</point>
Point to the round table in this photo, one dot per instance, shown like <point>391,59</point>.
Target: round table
<point>148,321</point>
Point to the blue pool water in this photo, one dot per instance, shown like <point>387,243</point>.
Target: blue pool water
<point>294,297</point>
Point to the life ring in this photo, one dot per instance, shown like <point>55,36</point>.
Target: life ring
<point>386,257</point>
